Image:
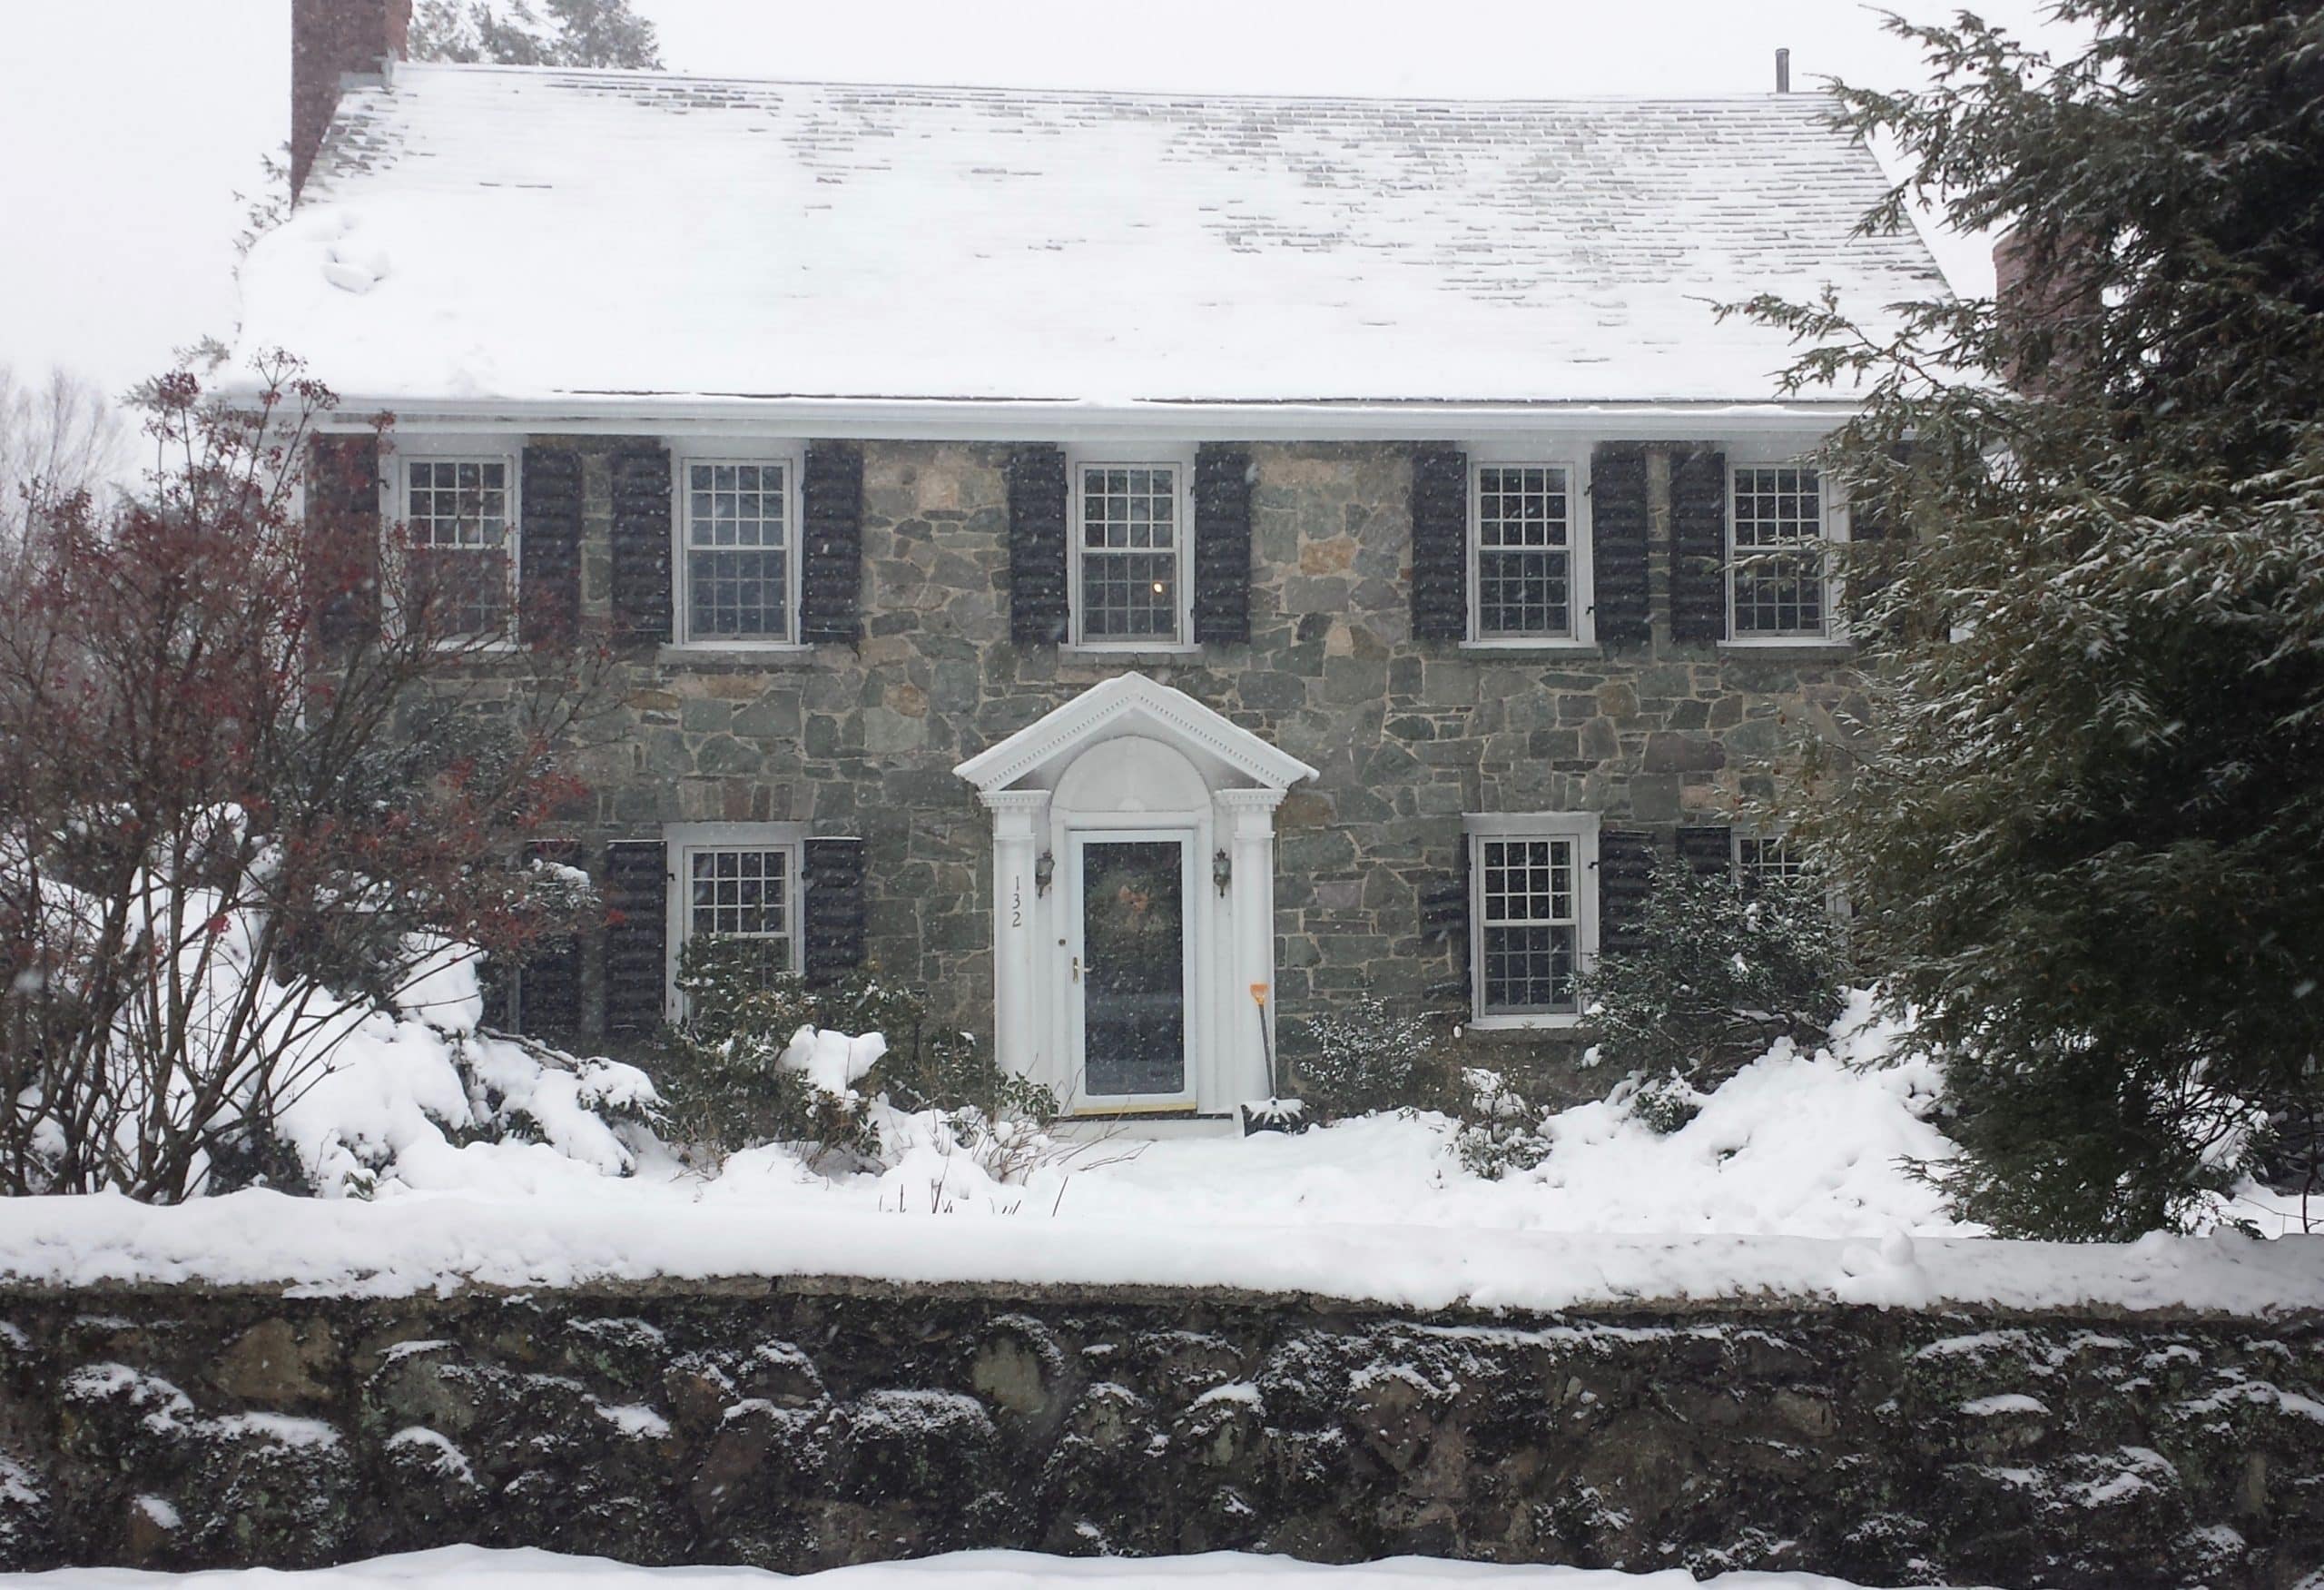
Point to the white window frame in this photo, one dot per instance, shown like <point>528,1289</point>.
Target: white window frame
<point>1581,592</point>
<point>1181,462</point>
<point>681,841</point>
<point>395,509</point>
<point>1581,828</point>
<point>793,457</point>
<point>1741,834</point>
<point>1833,504</point>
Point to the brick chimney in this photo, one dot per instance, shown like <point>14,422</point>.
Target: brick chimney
<point>329,38</point>
<point>2029,297</point>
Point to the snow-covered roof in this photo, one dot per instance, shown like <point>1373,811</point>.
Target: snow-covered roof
<point>517,233</point>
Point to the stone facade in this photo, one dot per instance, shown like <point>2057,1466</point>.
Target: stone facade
<point>1408,735</point>
<point>801,1424</point>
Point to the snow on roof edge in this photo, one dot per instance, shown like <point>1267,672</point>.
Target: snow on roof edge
<point>1177,95</point>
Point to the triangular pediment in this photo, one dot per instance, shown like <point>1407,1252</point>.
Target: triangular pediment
<point>1131,703</point>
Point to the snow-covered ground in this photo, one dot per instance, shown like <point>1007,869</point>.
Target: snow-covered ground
<point>1795,1179</point>
<point>463,1568</point>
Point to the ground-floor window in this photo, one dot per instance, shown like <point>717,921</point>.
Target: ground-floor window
<point>1765,859</point>
<point>738,884</point>
<point>1532,914</point>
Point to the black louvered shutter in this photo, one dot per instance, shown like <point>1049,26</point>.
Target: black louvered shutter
<point>1440,543</point>
<point>1222,544</point>
<point>641,544</point>
<point>1706,849</point>
<point>1625,869</point>
<point>833,909</point>
<point>831,569</point>
<point>1618,524</point>
<point>344,516</point>
<point>1444,920</point>
<point>1698,546</point>
<point>548,984</point>
<point>1878,536</point>
<point>549,550</point>
<point>1036,545</point>
<point>636,894</point>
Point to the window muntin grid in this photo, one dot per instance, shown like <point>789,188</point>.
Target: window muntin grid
<point>1129,552</point>
<point>738,551</point>
<point>1524,551</point>
<point>457,520</point>
<point>1530,925</point>
<point>1762,859</point>
<point>1776,568</point>
<point>742,893</point>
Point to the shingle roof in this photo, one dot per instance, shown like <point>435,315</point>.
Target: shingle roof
<point>483,231</point>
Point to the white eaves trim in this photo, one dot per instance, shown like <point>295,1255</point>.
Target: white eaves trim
<point>1039,420</point>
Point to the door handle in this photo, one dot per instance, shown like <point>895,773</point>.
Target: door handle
<point>1076,968</point>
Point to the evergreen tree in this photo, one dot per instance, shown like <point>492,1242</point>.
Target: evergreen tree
<point>571,33</point>
<point>2088,844</point>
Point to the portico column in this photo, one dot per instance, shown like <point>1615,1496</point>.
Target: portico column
<point>1248,815</point>
<point>1019,817</point>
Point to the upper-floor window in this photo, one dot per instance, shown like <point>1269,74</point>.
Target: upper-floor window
<point>1533,915</point>
<point>459,517</point>
<point>1778,576</point>
<point>1529,558</point>
<point>1131,548</point>
<point>738,568</point>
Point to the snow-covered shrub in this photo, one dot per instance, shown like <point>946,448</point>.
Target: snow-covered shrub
<point>742,1068</point>
<point>1720,973</point>
<point>420,1094</point>
<point>1501,1128</point>
<point>1366,1058</point>
<point>1666,1103</point>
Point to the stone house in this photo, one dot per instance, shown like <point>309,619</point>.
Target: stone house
<point>1087,554</point>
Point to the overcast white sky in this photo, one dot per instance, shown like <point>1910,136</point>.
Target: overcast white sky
<point>128,125</point>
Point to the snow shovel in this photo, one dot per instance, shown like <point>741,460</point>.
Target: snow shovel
<point>1275,1113</point>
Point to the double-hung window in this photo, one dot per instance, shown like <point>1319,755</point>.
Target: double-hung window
<point>1778,572</point>
<point>1529,566</point>
<point>1132,542</point>
<point>1765,860</point>
<point>738,555</point>
<point>459,519</point>
<point>738,883</point>
<point>1533,915</point>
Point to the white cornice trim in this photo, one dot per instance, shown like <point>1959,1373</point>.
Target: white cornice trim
<point>1179,714</point>
<point>1046,420</point>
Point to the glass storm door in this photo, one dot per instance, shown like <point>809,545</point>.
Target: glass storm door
<point>1131,968</point>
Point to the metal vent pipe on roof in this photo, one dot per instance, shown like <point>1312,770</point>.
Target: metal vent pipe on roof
<point>1783,71</point>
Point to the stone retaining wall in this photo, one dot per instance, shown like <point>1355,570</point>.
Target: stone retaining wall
<point>806,1424</point>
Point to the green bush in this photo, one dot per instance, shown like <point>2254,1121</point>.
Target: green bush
<point>1720,973</point>
<point>1366,1059</point>
<point>724,1086</point>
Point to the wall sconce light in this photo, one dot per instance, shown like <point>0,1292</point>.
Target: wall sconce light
<point>1222,870</point>
<point>1044,869</point>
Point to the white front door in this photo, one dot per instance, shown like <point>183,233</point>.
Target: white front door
<point>1132,906</point>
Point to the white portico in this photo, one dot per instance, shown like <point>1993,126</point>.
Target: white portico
<point>1134,899</point>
